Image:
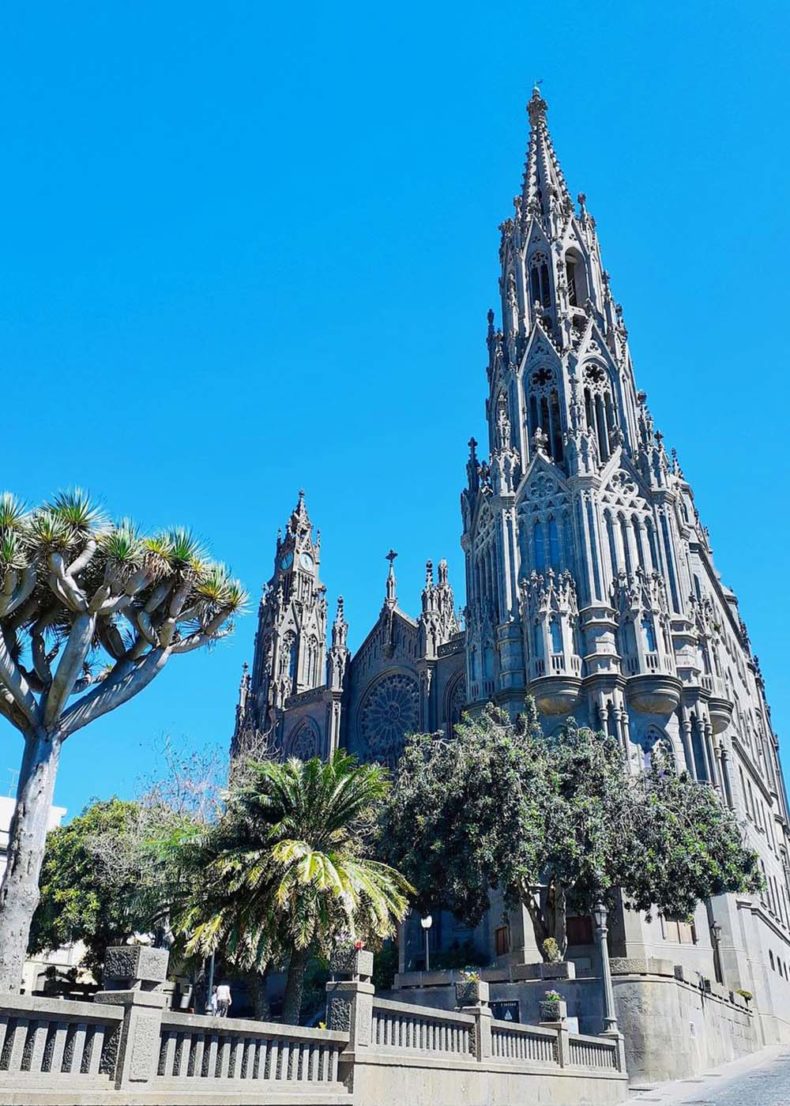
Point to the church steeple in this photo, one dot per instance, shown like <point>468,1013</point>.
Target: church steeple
<point>290,644</point>
<point>544,184</point>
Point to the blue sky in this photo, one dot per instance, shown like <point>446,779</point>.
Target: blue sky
<point>248,248</point>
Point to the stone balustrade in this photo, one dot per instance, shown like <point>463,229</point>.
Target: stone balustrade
<point>592,1052</point>
<point>528,1044</point>
<point>126,1048</point>
<point>398,1025</point>
<point>196,1048</point>
<point>42,1037</point>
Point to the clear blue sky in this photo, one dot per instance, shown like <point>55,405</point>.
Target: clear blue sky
<point>249,247</point>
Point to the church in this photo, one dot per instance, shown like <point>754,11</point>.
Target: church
<point>590,585</point>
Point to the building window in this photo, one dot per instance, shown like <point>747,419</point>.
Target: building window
<point>554,544</point>
<point>579,930</point>
<point>502,940</point>
<point>650,634</point>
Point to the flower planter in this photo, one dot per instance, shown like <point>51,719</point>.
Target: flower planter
<point>471,992</point>
<point>562,969</point>
<point>553,1010</point>
<point>351,961</point>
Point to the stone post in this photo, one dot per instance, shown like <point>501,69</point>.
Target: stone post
<point>349,1000</point>
<point>473,999</point>
<point>563,1045</point>
<point>132,976</point>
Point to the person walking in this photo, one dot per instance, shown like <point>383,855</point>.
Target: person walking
<point>212,1003</point>
<point>224,1000</point>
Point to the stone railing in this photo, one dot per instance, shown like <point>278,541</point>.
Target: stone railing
<point>397,1025</point>
<point>218,1049</point>
<point>529,1044</point>
<point>125,1048</point>
<point>51,1038</point>
<point>592,1052</point>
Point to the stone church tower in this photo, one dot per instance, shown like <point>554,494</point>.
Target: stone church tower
<point>590,577</point>
<point>590,585</point>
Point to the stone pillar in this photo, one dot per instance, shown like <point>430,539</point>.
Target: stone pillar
<point>133,975</point>
<point>478,1007</point>
<point>349,1000</point>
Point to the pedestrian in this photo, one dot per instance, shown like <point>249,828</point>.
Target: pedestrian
<point>223,1000</point>
<point>213,1003</point>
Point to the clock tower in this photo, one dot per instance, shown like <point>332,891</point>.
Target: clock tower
<point>290,645</point>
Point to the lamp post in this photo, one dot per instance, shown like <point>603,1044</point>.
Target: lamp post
<point>601,929</point>
<point>426,922</point>
<point>715,938</point>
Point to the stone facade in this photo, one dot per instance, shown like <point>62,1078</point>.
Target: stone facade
<point>590,584</point>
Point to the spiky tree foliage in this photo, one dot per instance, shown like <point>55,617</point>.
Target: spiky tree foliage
<point>288,868</point>
<point>90,613</point>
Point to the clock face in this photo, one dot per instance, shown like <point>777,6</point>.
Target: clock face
<point>287,561</point>
<point>306,561</point>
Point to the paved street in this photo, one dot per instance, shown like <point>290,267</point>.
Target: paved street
<point>763,1080</point>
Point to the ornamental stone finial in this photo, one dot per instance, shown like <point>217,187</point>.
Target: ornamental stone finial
<point>537,106</point>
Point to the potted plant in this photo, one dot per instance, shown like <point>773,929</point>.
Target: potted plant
<point>470,990</point>
<point>554,967</point>
<point>350,957</point>
<point>553,1007</point>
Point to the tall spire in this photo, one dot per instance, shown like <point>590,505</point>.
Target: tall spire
<point>299,522</point>
<point>543,179</point>
<point>392,594</point>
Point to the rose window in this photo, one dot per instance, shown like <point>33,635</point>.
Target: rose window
<point>390,711</point>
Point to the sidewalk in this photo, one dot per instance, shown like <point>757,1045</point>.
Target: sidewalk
<point>761,1079</point>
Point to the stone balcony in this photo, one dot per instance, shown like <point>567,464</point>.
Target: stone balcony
<point>556,684</point>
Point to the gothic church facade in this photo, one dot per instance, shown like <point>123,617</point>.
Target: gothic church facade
<point>590,584</point>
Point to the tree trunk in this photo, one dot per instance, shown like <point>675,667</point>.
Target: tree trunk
<point>256,983</point>
<point>19,892</point>
<point>560,927</point>
<point>532,902</point>
<point>292,1006</point>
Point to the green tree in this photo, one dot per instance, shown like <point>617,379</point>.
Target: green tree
<point>90,613</point>
<point>288,868</point>
<point>83,898</point>
<point>554,823</point>
<point>107,874</point>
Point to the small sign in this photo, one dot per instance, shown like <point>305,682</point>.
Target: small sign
<point>505,1011</point>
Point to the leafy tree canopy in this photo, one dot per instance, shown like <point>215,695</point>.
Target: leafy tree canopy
<point>288,868</point>
<point>109,872</point>
<point>554,822</point>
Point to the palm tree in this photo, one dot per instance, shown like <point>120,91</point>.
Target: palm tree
<point>287,869</point>
<point>90,613</point>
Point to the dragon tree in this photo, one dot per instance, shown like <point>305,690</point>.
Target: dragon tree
<point>91,611</point>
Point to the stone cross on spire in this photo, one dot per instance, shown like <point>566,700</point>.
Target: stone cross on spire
<point>392,595</point>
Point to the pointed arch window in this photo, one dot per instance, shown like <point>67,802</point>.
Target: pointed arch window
<point>614,559</point>
<point>556,636</point>
<point>698,750</point>
<point>537,636</point>
<point>629,568</point>
<point>540,285</point>
<point>539,540</point>
<point>554,543</point>
<point>649,634</point>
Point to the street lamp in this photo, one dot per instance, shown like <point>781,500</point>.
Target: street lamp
<point>426,922</point>
<point>715,938</point>
<point>600,915</point>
